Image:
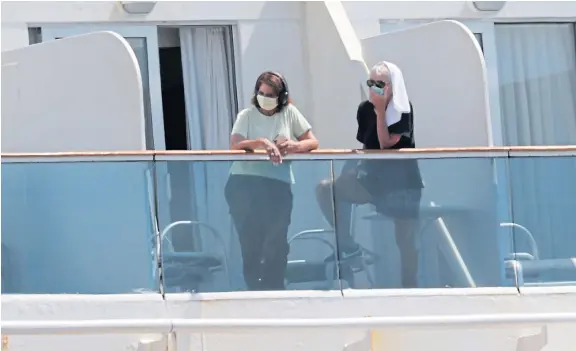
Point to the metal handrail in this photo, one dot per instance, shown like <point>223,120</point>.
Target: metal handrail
<point>340,154</point>
<point>131,326</point>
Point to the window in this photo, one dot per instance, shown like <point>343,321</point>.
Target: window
<point>34,35</point>
<point>480,40</point>
<point>387,27</point>
<point>537,78</point>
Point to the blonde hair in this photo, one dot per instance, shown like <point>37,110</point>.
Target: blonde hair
<point>381,69</point>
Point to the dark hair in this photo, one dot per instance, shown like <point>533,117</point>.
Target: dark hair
<point>278,83</point>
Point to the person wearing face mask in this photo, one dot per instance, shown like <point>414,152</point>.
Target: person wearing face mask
<point>259,193</point>
<point>385,121</point>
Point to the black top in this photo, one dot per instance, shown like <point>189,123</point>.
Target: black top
<point>389,174</point>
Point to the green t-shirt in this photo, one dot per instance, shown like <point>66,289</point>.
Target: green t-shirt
<point>251,124</point>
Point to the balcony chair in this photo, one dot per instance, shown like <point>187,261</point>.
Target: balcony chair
<point>522,265</point>
<point>518,265</point>
<point>324,271</point>
<point>187,271</point>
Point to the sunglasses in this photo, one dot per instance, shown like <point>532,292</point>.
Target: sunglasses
<point>377,83</point>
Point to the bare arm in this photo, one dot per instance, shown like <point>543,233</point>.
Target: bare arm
<point>302,130</point>
<point>385,138</point>
<point>308,142</point>
<point>239,142</point>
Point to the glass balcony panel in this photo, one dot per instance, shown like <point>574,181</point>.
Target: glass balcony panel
<point>446,234</point>
<point>77,228</point>
<point>87,227</point>
<point>202,210</point>
<point>544,208</point>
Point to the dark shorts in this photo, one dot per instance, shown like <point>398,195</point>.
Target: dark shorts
<point>399,204</point>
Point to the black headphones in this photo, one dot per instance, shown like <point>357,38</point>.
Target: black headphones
<point>282,94</point>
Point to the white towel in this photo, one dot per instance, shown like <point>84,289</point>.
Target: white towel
<point>400,103</point>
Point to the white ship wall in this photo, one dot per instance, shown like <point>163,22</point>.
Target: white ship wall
<point>306,305</point>
<point>100,99</point>
<point>364,15</point>
<point>367,15</point>
<point>269,34</point>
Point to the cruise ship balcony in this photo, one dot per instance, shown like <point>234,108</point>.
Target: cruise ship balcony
<point>99,239</point>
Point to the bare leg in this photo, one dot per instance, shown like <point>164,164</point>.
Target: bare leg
<point>347,191</point>
<point>406,240</point>
<point>324,198</point>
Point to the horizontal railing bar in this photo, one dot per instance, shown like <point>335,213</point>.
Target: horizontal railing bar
<point>80,153</point>
<point>378,322</point>
<point>542,148</point>
<point>563,148</point>
<point>129,326</point>
<point>541,153</point>
<point>252,157</point>
<point>77,159</point>
<point>106,326</point>
<point>344,154</point>
<point>357,155</point>
<point>352,151</point>
<point>320,151</point>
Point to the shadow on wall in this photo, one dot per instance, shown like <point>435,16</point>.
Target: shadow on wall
<point>336,73</point>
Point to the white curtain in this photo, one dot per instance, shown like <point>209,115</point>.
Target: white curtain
<point>210,112</point>
<point>537,74</point>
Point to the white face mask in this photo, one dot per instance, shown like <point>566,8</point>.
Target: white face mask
<point>267,103</point>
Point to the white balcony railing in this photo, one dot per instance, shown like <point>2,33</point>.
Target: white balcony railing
<point>129,326</point>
